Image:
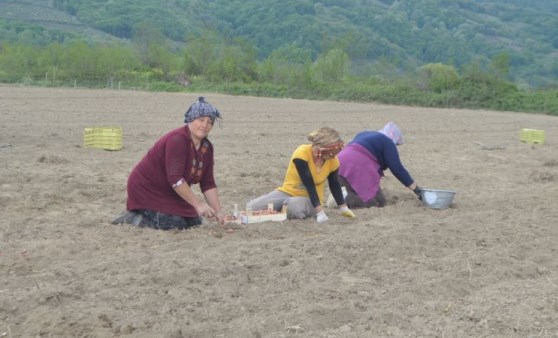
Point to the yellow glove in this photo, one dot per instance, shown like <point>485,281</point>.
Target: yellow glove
<point>345,211</point>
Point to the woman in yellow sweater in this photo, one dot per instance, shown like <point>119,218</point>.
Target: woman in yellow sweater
<point>303,187</point>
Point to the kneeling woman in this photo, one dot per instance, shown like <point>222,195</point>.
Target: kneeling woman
<point>159,187</point>
<point>303,187</point>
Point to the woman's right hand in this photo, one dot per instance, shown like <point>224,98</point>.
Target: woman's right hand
<point>204,210</point>
<point>321,217</point>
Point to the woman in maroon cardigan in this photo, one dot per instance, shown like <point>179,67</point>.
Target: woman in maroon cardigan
<point>159,187</point>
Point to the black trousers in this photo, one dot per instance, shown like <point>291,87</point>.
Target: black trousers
<point>354,201</point>
<point>157,220</point>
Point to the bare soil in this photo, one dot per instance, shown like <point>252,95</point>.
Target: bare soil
<point>486,267</point>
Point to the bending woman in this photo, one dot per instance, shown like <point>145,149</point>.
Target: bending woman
<point>363,162</point>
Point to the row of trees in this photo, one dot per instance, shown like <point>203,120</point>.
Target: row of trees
<point>412,32</point>
<point>211,63</point>
<point>404,33</point>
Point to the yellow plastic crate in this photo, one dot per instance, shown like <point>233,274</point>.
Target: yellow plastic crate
<point>107,138</point>
<point>532,136</point>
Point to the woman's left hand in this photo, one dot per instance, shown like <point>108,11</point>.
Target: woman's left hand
<point>345,211</point>
<point>220,218</point>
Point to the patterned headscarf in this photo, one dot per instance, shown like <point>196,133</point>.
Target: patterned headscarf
<point>201,108</point>
<point>324,137</point>
<point>325,141</point>
<point>392,131</point>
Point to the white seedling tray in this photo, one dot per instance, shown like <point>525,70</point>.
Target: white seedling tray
<point>247,219</point>
<point>248,216</point>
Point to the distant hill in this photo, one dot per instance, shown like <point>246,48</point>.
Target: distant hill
<point>45,23</point>
<point>403,33</point>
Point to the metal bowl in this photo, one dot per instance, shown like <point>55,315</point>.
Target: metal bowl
<point>437,199</point>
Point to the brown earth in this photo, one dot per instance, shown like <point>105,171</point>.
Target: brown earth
<point>486,267</point>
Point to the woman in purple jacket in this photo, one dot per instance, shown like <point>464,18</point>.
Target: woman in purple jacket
<point>363,162</point>
<point>159,188</point>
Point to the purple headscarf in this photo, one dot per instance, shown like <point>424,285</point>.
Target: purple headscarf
<point>392,131</point>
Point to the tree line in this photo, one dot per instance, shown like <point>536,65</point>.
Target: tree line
<point>209,62</point>
<point>409,32</point>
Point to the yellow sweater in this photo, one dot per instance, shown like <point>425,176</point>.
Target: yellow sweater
<point>293,185</point>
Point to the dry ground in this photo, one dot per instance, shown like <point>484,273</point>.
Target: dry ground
<point>487,267</point>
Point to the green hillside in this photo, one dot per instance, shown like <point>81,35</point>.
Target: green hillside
<point>403,33</point>
<point>39,23</point>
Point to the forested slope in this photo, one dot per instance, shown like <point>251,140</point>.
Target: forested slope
<point>404,33</point>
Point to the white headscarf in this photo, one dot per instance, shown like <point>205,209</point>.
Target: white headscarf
<point>392,131</point>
